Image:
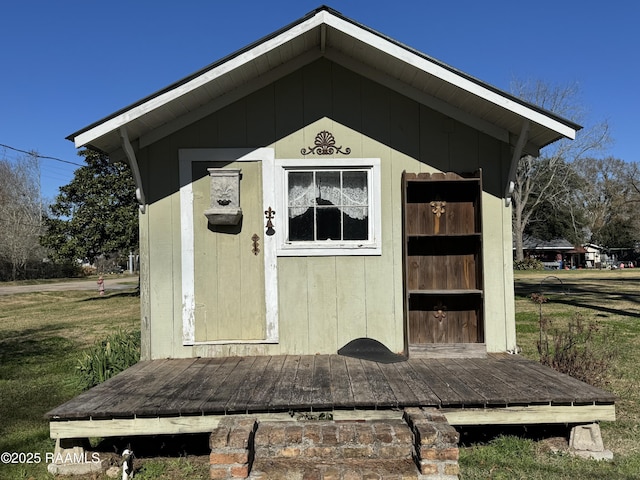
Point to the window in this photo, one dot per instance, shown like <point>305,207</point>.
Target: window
<point>329,208</point>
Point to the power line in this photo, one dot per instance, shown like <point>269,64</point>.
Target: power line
<point>41,156</point>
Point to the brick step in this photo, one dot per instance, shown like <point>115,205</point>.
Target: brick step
<point>334,440</point>
<point>422,447</point>
<point>342,469</point>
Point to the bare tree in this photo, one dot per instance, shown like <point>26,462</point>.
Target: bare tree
<point>611,194</point>
<point>545,178</point>
<point>20,213</point>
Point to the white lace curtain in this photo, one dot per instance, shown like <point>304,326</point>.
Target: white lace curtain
<point>346,190</point>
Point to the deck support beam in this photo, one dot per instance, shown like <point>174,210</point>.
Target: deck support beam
<point>526,415</point>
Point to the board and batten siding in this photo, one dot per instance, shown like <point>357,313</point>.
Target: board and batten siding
<point>324,302</point>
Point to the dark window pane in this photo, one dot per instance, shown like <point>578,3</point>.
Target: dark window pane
<point>301,226</point>
<point>328,188</point>
<point>301,189</point>
<point>356,223</point>
<point>354,188</point>
<point>328,219</point>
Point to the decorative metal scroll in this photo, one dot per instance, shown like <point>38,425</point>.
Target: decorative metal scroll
<point>325,144</point>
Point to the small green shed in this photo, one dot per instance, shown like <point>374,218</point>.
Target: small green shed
<point>323,184</point>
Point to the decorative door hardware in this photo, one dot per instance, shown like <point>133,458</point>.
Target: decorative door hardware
<point>269,214</point>
<point>255,248</point>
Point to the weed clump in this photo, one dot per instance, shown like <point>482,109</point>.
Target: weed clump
<point>107,358</point>
<point>576,351</point>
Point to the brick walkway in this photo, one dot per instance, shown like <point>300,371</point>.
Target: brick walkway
<point>423,447</point>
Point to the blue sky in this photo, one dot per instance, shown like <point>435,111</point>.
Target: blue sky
<point>68,63</point>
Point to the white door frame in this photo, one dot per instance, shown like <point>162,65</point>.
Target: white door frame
<point>186,158</point>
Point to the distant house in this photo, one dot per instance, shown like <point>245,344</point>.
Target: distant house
<point>560,253</point>
<point>592,255</point>
<point>554,254</point>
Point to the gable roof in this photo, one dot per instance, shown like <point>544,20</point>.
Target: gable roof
<point>326,33</point>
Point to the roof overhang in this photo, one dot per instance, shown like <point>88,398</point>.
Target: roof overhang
<point>326,33</point>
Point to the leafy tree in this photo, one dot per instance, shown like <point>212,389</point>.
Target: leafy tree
<point>547,179</point>
<point>95,214</point>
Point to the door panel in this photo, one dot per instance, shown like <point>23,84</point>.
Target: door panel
<point>229,272</point>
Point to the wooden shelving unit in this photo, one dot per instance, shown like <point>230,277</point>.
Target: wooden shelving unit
<point>442,232</point>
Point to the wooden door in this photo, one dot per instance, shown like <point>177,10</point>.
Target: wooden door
<point>229,265</point>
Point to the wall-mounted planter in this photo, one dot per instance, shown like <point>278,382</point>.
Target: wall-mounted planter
<point>225,197</point>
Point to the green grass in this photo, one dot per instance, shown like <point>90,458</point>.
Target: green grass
<point>43,334</point>
<point>612,300</point>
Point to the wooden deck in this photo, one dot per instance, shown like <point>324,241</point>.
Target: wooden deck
<point>191,388</point>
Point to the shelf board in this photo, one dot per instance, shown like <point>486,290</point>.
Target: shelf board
<point>444,235</point>
<point>446,292</point>
<point>443,180</point>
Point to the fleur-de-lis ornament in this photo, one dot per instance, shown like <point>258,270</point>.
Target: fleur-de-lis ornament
<point>437,208</point>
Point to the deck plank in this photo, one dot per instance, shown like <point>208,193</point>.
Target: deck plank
<point>283,389</point>
<point>85,404</point>
<point>550,386</point>
<point>322,381</point>
<point>196,387</point>
<point>417,384</point>
<point>479,380</point>
<point>362,393</point>
<point>134,392</point>
<point>152,397</point>
<point>402,392</point>
<point>264,394</point>
<point>341,387</point>
<point>253,373</point>
<point>450,390</point>
<point>302,392</point>
<point>577,391</point>
<point>511,385</point>
<point>219,393</point>
<point>384,395</point>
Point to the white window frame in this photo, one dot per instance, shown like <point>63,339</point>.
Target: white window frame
<point>372,246</point>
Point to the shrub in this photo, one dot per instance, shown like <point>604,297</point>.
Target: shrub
<point>528,264</point>
<point>574,351</point>
<point>108,357</point>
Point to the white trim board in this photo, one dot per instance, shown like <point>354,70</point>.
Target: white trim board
<point>186,158</point>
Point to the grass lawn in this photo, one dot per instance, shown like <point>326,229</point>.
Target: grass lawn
<point>42,334</point>
<point>610,299</point>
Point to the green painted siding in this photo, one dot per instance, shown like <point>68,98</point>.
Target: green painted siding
<point>323,301</point>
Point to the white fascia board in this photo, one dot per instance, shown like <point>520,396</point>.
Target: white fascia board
<point>164,98</point>
<point>449,76</point>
